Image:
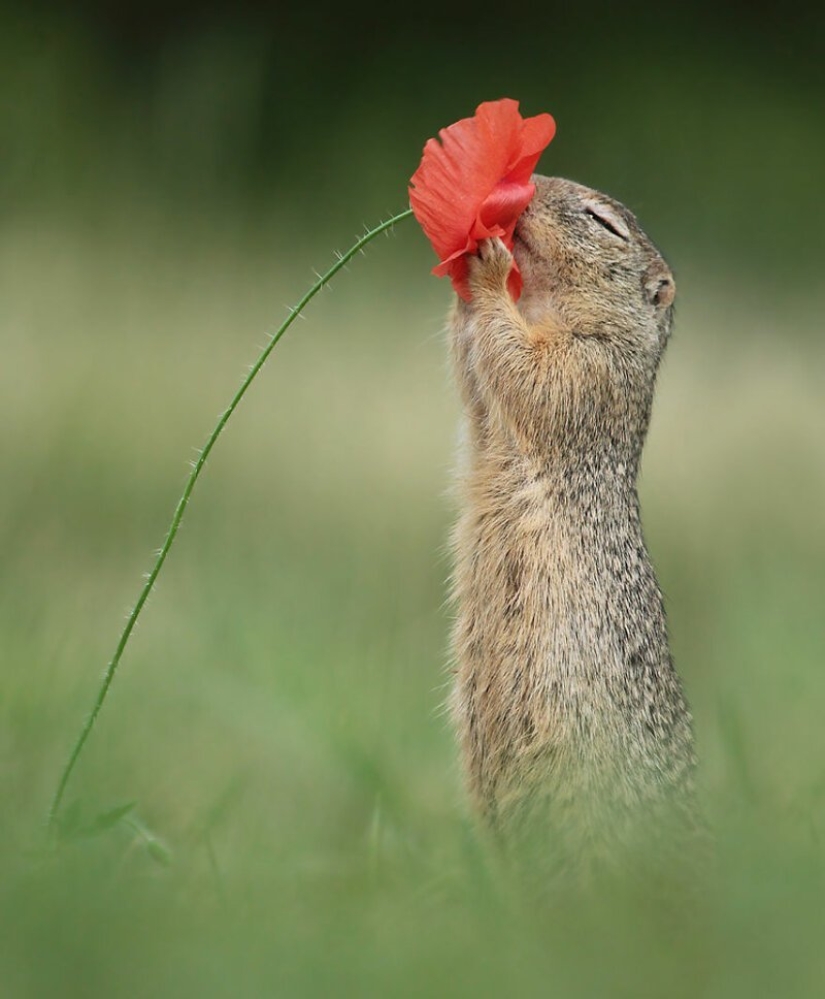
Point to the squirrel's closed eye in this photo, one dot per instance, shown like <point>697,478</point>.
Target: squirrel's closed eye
<point>607,220</point>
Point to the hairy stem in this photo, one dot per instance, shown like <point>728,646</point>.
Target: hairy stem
<point>180,509</point>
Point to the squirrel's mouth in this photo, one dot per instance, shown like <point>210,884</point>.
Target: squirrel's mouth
<point>519,241</point>
<point>522,235</point>
<point>523,248</point>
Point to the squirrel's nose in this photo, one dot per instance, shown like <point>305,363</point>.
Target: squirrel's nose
<point>660,288</point>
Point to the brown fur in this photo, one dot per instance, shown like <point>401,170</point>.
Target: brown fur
<point>572,723</point>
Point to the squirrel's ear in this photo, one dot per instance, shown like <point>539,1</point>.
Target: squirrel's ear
<point>660,288</point>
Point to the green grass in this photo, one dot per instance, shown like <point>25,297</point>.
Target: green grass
<point>277,719</point>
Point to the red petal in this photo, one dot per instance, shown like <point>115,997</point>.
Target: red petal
<point>475,183</point>
<point>453,180</point>
<point>503,206</point>
<point>536,134</point>
<point>458,270</point>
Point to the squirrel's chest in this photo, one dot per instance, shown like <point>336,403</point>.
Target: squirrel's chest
<point>521,576</point>
<point>541,613</point>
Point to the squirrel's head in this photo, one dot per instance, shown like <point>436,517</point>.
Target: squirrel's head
<point>584,257</point>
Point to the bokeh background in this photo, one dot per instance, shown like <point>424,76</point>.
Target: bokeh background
<point>170,176</point>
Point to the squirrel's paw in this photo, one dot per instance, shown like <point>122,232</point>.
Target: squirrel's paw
<point>490,267</point>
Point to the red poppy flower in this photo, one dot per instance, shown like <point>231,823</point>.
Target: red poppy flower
<point>475,183</point>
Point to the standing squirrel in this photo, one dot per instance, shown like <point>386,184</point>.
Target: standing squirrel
<point>572,722</point>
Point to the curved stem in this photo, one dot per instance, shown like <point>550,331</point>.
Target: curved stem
<point>180,509</point>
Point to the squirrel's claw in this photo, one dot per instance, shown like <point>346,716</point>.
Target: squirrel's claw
<point>490,267</point>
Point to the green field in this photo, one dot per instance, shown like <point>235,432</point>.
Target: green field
<point>297,829</point>
<point>278,715</point>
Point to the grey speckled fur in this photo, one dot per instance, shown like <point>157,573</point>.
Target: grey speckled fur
<point>573,727</point>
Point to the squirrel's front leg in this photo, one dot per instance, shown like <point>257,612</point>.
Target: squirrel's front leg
<point>512,358</point>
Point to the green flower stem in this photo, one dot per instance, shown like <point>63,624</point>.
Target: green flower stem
<point>180,509</point>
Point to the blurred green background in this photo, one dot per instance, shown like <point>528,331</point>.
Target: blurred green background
<point>170,176</point>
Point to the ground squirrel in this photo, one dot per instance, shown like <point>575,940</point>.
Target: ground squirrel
<point>571,718</point>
